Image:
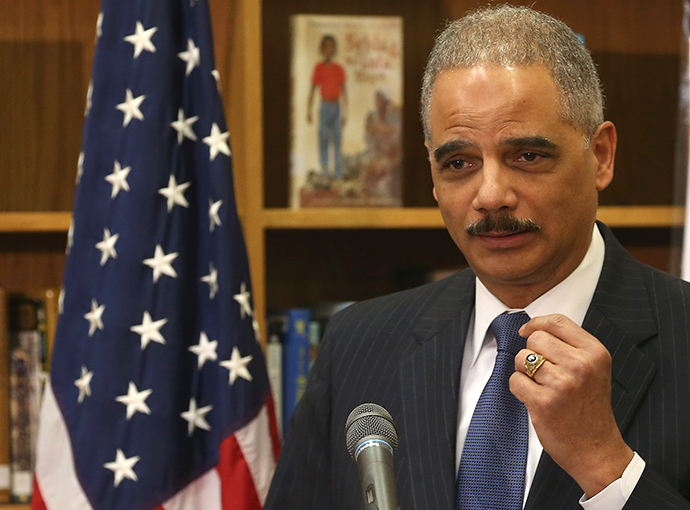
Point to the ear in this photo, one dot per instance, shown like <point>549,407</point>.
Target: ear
<point>603,147</point>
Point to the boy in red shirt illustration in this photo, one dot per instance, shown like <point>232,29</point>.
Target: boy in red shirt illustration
<point>329,77</point>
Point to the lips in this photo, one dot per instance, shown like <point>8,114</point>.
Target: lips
<point>503,240</point>
<point>501,234</point>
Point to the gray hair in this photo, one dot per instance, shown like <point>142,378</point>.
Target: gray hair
<point>519,36</point>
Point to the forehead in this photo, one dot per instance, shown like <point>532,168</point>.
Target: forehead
<point>495,98</point>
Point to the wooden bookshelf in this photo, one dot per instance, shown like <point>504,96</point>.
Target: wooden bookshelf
<point>428,217</point>
<point>361,218</point>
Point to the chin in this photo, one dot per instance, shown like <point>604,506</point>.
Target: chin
<point>508,270</point>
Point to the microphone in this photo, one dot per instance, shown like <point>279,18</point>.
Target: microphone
<point>372,439</point>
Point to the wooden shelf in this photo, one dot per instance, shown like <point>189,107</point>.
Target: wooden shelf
<point>359,218</point>
<point>35,221</point>
<point>351,218</point>
<point>429,217</point>
<point>642,216</point>
<point>10,506</point>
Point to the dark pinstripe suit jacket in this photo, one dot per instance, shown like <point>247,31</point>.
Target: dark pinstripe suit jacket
<point>404,352</point>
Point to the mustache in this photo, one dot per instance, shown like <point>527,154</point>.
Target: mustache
<point>501,223</point>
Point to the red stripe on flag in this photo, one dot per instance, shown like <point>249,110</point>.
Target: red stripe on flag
<point>37,502</point>
<point>237,485</point>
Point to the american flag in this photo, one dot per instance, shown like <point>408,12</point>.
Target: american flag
<point>159,396</point>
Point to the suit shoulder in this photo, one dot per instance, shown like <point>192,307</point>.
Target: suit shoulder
<point>400,307</point>
<point>664,286</point>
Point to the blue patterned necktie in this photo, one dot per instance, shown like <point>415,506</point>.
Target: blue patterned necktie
<point>492,466</point>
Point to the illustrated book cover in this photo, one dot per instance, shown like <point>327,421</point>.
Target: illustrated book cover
<point>346,111</point>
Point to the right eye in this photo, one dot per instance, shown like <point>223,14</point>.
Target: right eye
<point>456,164</point>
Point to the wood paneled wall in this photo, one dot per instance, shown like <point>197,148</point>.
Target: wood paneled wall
<point>46,49</point>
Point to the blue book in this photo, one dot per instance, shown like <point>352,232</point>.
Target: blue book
<point>295,340</point>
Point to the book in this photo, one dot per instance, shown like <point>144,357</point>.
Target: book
<point>346,111</point>
<point>293,325</point>
<point>47,300</point>
<point>27,343</point>
<point>4,398</point>
<point>315,336</point>
<point>274,366</point>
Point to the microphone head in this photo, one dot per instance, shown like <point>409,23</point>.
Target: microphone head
<point>369,421</point>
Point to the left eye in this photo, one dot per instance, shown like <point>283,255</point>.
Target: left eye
<point>529,156</point>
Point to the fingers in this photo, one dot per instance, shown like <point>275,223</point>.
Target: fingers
<point>558,326</point>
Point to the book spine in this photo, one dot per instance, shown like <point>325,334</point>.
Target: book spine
<point>295,359</point>
<point>4,398</point>
<point>27,338</point>
<point>25,389</point>
<point>274,366</point>
<point>314,341</point>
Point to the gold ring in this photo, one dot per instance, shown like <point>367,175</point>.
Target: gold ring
<point>532,363</point>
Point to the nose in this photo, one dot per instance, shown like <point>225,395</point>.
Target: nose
<point>496,188</point>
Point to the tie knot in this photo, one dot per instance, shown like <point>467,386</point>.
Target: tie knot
<point>505,328</point>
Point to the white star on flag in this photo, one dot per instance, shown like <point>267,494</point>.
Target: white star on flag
<point>175,193</point>
<point>192,56</point>
<point>212,279</point>
<point>216,76</point>
<point>70,237</point>
<point>118,178</point>
<point>183,126</point>
<point>196,417</point>
<point>135,400</point>
<point>99,26</point>
<point>237,365</point>
<point>217,142</point>
<point>141,39</point>
<point>89,103</point>
<point>80,167</point>
<point>257,331</point>
<point>214,219</point>
<point>95,317</point>
<point>84,384</point>
<point>162,263</point>
<point>107,246</point>
<point>243,299</point>
<point>131,107</point>
<point>149,330</point>
<point>205,350</point>
<point>61,301</point>
<point>122,467</point>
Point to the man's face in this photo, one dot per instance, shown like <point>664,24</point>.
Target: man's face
<point>501,150</point>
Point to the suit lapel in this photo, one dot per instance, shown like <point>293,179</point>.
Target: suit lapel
<point>621,317</point>
<point>430,375</point>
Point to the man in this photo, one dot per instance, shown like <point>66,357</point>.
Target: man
<point>513,118</point>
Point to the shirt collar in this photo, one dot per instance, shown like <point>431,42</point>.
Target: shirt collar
<point>571,297</point>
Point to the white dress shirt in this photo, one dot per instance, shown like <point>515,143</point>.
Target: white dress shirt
<point>571,298</point>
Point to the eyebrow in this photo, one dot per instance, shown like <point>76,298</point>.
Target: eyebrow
<point>536,141</point>
<point>455,145</point>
